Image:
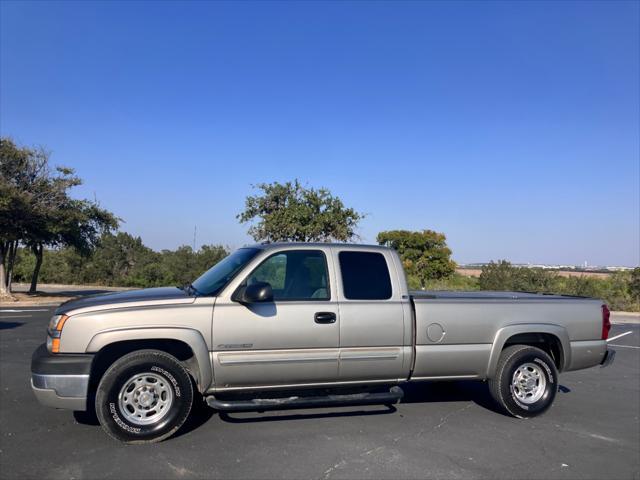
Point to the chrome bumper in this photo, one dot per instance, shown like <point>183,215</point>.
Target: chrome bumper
<point>60,380</point>
<point>61,391</point>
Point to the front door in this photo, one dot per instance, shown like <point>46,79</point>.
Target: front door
<point>290,341</point>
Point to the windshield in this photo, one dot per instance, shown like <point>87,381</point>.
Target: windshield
<point>217,277</point>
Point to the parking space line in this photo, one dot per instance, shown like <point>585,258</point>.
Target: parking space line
<point>620,336</point>
<point>624,346</point>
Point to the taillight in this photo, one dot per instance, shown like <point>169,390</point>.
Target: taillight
<point>606,324</point>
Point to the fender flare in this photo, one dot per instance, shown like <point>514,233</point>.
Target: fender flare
<point>193,338</point>
<point>503,334</point>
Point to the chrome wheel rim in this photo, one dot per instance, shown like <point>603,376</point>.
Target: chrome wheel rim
<point>145,398</point>
<point>528,383</point>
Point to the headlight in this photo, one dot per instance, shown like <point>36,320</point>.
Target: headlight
<point>55,325</point>
<point>55,331</point>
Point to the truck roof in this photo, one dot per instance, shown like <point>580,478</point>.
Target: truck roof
<point>269,246</point>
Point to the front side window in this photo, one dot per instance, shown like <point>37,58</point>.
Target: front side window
<point>365,276</point>
<point>294,275</point>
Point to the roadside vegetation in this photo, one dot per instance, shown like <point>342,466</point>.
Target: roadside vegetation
<point>621,290</point>
<point>120,260</point>
<point>45,235</point>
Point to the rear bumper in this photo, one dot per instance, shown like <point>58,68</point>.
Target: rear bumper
<point>608,358</point>
<point>60,380</point>
<point>586,354</point>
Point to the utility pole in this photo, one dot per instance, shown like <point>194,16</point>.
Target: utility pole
<point>195,231</point>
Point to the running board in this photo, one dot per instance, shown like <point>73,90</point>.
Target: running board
<point>394,395</point>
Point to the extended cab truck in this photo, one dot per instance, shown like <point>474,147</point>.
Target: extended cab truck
<point>304,317</point>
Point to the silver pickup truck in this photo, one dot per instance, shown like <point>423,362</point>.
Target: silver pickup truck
<point>299,325</point>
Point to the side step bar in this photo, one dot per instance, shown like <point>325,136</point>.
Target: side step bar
<point>394,395</point>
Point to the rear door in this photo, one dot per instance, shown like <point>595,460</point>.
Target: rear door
<point>290,341</point>
<point>374,340</point>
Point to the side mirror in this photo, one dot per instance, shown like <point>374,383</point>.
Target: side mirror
<point>258,292</point>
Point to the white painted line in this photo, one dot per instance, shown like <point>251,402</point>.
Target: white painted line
<point>624,346</point>
<point>22,310</point>
<point>620,336</point>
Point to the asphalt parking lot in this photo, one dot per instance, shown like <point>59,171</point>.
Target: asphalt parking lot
<point>441,430</point>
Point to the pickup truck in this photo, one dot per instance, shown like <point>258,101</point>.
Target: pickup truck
<point>294,325</point>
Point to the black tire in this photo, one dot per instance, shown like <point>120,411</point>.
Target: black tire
<point>157,365</point>
<point>510,397</point>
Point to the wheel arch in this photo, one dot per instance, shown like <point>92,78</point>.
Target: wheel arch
<point>186,344</point>
<point>550,337</point>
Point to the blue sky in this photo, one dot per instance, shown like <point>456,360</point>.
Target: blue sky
<point>512,127</point>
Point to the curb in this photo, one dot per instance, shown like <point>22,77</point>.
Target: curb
<point>625,318</point>
<point>29,304</point>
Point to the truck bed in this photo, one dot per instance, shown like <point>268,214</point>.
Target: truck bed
<point>455,331</point>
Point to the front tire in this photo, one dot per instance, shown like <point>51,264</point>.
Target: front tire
<point>526,381</point>
<point>144,397</point>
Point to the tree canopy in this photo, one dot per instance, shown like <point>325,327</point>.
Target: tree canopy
<point>291,212</point>
<point>37,211</point>
<point>502,275</point>
<point>121,260</point>
<point>425,254</point>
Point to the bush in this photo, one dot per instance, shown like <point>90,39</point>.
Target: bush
<point>454,282</point>
<point>617,290</point>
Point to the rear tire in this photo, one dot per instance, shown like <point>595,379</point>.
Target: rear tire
<point>144,397</point>
<point>526,381</point>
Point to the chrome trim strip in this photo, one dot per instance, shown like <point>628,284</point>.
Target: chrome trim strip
<point>370,353</point>
<point>74,386</point>
<point>380,356</point>
<point>248,361</point>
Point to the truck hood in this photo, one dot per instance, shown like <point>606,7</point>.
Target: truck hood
<point>143,298</point>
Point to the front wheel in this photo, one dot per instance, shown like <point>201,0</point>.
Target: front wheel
<point>526,381</point>
<point>144,397</point>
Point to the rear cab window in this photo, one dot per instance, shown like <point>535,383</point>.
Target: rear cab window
<point>365,276</point>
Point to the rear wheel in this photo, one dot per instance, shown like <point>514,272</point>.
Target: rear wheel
<point>144,397</point>
<point>526,381</point>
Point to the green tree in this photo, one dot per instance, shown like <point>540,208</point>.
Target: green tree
<point>123,259</point>
<point>207,257</point>
<point>534,280</point>
<point>20,183</point>
<point>291,212</point>
<point>634,284</point>
<point>73,223</point>
<point>425,254</point>
<point>36,210</point>
<point>504,276</point>
<point>497,276</point>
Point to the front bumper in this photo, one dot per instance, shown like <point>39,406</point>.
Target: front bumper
<point>60,380</point>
